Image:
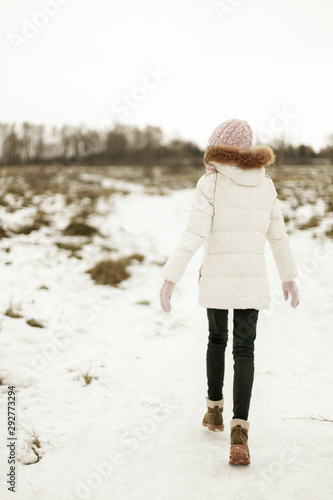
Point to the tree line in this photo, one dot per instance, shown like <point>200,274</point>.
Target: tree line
<point>29,143</point>
<point>79,145</point>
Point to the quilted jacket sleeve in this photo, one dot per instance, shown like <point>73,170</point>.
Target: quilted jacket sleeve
<point>279,242</point>
<point>196,231</point>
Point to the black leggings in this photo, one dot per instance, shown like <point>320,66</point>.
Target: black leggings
<point>244,334</point>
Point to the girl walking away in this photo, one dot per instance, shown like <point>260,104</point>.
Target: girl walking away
<point>234,211</point>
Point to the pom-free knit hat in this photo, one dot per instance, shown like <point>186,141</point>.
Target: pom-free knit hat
<point>232,133</point>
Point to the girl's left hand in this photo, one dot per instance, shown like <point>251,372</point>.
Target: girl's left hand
<point>289,287</point>
<point>165,295</point>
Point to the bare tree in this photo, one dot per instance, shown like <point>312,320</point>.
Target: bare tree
<point>116,144</point>
<point>40,142</point>
<point>27,141</point>
<point>65,140</point>
<point>12,147</point>
<point>3,133</point>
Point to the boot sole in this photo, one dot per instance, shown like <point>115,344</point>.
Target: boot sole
<point>239,455</point>
<point>211,427</point>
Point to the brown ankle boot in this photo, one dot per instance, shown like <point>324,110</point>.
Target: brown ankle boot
<point>213,418</point>
<point>239,449</point>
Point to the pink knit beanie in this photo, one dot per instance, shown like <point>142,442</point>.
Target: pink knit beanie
<point>232,133</point>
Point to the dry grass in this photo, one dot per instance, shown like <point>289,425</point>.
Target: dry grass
<point>110,272</point>
<point>13,311</point>
<point>92,193</point>
<point>70,198</point>
<point>135,256</point>
<point>3,202</point>
<point>329,206</point>
<point>71,247</point>
<point>16,189</point>
<point>329,232</point>
<point>11,209</point>
<point>35,439</point>
<point>110,191</point>
<point>39,221</point>
<point>156,192</point>
<point>84,185</point>
<point>48,181</point>
<point>79,228</point>
<point>34,443</point>
<point>42,219</point>
<point>3,233</point>
<point>85,212</point>
<point>35,323</point>
<point>27,201</point>
<point>159,263</point>
<point>106,248</point>
<point>314,221</point>
<point>67,180</point>
<point>88,378</point>
<point>26,228</point>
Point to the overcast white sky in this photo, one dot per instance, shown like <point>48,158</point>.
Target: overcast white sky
<point>266,61</point>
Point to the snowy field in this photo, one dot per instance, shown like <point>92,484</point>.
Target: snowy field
<point>111,389</point>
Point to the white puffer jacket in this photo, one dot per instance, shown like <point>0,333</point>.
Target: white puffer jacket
<point>233,212</point>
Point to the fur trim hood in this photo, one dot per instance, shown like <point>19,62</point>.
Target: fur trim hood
<point>244,158</point>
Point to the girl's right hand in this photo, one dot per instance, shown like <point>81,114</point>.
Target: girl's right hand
<point>165,295</point>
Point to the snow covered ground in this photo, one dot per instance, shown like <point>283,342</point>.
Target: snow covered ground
<point>135,431</point>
